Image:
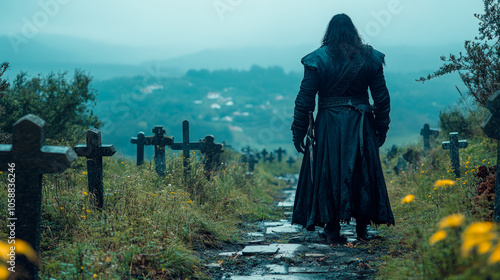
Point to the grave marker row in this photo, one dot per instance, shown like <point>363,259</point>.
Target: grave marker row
<point>206,146</point>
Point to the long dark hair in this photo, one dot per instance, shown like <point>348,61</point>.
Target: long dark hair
<point>341,34</point>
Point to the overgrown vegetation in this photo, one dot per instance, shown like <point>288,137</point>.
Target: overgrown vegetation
<point>479,67</point>
<point>150,227</point>
<point>64,104</point>
<point>413,252</point>
<point>4,85</point>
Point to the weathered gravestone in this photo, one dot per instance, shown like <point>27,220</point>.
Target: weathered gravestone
<point>427,132</point>
<point>94,151</point>
<point>454,145</point>
<point>159,140</point>
<point>212,152</point>
<point>290,161</point>
<point>392,152</point>
<point>280,153</point>
<point>186,147</point>
<point>491,126</point>
<point>141,142</point>
<point>25,161</point>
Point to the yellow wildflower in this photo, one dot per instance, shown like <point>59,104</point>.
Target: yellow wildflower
<point>85,193</point>
<point>446,182</point>
<point>83,217</point>
<point>62,208</point>
<point>423,171</point>
<point>122,162</point>
<point>24,248</point>
<point>190,201</point>
<point>408,199</point>
<point>4,273</point>
<point>172,192</point>
<point>95,275</point>
<point>477,235</point>
<point>83,173</point>
<point>154,194</point>
<point>452,221</point>
<point>88,211</point>
<point>438,236</point>
<point>495,256</point>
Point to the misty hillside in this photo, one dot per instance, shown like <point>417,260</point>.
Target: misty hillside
<point>251,107</point>
<point>48,53</point>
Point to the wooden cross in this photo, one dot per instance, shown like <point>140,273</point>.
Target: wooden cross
<point>264,154</point>
<point>280,153</point>
<point>454,145</point>
<point>159,140</point>
<point>271,158</point>
<point>140,141</point>
<point>211,151</point>
<point>251,163</point>
<point>427,132</point>
<point>26,160</point>
<point>491,126</point>
<point>186,147</point>
<point>94,151</point>
<point>290,161</point>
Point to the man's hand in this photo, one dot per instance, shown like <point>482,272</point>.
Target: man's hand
<point>299,145</point>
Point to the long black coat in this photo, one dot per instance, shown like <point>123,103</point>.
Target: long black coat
<point>348,177</point>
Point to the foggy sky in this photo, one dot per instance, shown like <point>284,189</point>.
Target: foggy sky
<point>180,27</point>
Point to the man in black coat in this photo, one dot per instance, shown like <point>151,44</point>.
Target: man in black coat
<point>343,179</point>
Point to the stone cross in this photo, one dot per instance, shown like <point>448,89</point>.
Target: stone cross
<point>271,158</point>
<point>264,154</point>
<point>251,163</point>
<point>491,126</point>
<point>290,161</point>
<point>94,151</point>
<point>280,153</point>
<point>454,145</point>
<point>212,152</point>
<point>186,146</point>
<point>25,161</point>
<point>159,140</point>
<point>141,142</point>
<point>427,132</point>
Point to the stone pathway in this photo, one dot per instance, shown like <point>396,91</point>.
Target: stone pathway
<point>279,250</point>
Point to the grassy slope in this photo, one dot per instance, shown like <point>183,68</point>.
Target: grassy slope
<point>151,226</point>
<point>409,253</point>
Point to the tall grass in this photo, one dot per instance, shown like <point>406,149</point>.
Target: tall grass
<point>150,226</point>
<point>412,251</point>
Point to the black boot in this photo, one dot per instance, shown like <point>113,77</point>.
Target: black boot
<point>331,233</point>
<point>362,230</point>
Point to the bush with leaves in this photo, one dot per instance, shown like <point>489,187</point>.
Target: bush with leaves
<point>4,85</point>
<point>479,67</point>
<point>66,105</point>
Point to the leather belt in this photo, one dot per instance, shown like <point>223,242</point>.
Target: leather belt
<point>334,101</point>
<point>359,102</point>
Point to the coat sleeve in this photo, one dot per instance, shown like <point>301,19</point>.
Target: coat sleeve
<point>380,95</point>
<point>305,102</point>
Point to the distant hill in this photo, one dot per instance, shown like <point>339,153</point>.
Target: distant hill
<point>47,53</point>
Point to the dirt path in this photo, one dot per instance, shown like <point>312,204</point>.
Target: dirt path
<point>278,250</point>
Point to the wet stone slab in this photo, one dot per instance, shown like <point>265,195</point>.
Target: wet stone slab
<point>287,228</point>
<point>259,250</point>
<point>286,204</point>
